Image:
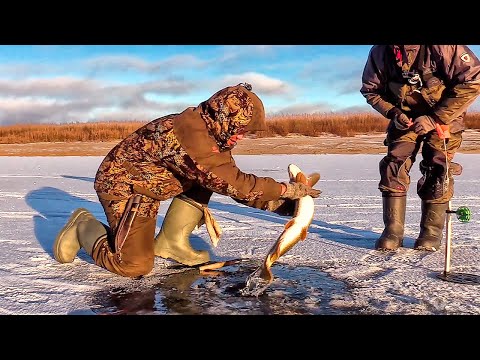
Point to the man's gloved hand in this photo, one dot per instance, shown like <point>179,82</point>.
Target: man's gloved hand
<point>296,190</point>
<point>423,124</point>
<point>400,120</point>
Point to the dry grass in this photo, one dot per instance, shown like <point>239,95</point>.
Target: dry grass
<point>73,132</point>
<point>320,124</point>
<point>313,125</point>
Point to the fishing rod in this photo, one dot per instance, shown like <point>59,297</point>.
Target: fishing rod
<point>463,214</point>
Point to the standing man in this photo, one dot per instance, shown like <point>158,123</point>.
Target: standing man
<point>185,157</point>
<point>425,91</point>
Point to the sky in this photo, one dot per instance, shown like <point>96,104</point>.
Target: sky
<point>81,83</point>
<point>335,270</point>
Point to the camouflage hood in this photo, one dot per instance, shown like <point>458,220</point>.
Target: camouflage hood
<point>232,110</point>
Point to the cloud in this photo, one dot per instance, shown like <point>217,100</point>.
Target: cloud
<point>230,54</point>
<point>32,111</point>
<point>131,63</point>
<point>301,108</point>
<point>342,73</point>
<point>357,109</point>
<point>19,70</point>
<point>27,110</point>
<point>315,108</point>
<point>62,87</point>
<point>349,86</point>
<point>146,112</point>
<point>65,99</point>
<point>261,84</point>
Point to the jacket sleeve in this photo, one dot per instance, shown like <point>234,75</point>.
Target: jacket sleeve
<point>222,169</point>
<point>374,81</point>
<point>461,68</point>
<point>215,170</point>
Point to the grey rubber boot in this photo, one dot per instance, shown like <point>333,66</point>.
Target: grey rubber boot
<point>173,240</point>
<point>431,226</point>
<point>394,219</point>
<point>90,233</point>
<point>66,245</point>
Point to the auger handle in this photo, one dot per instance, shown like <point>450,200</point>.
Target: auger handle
<point>443,131</point>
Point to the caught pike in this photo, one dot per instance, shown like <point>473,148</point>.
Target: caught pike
<point>295,230</point>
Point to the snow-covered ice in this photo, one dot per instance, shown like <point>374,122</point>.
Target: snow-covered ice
<point>39,193</point>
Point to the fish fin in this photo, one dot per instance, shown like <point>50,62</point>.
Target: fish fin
<point>301,178</point>
<point>289,223</point>
<point>303,235</point>
<point>313,178</point>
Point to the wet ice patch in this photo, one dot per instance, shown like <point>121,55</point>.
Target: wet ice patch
<point>255,285</point>
<point>294,290</point>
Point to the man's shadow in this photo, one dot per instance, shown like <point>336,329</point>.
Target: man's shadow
<point>84,178</point>
<point>55,207</point>
<point>339,233</point>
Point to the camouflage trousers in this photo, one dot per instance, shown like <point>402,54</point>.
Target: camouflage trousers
<point>436,184</point>
<point>128,249</point>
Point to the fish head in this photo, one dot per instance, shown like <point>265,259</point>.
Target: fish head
<point>293,170</point>
<point>296,175</point>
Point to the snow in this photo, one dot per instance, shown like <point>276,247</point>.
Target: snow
<point>335,270</point>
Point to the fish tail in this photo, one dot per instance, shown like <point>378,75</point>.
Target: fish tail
<point>312,179</point>
<point>309,180</point>
<point>301,178</point>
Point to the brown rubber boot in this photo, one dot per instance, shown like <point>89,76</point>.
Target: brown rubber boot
<point>431,226</point>
<point>173,240</point>
<point>66,245</point>
<point>394,219</point>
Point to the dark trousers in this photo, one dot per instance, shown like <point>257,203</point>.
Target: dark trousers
<point>403,147</point>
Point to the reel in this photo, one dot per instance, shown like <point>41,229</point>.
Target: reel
<point>463,214</point>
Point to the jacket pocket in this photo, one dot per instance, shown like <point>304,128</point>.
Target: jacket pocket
<point>433,91</point>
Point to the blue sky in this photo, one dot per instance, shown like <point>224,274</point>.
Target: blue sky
<point>80,83</point>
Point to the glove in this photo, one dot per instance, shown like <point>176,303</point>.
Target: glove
<point>400,120</point>
<point>296,190</point>
<point>283,207</point>
<point>423,124</point>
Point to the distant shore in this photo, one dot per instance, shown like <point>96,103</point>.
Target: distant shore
<point>292,144</point>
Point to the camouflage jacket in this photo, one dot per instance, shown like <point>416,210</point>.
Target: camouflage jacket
<point>448,82</point>
<point>168,155</point>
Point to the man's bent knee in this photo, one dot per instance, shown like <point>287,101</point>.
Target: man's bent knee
<point>394,175</point>
<point>134,269</point>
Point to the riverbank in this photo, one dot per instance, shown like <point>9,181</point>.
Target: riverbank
<point>292,144</point>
